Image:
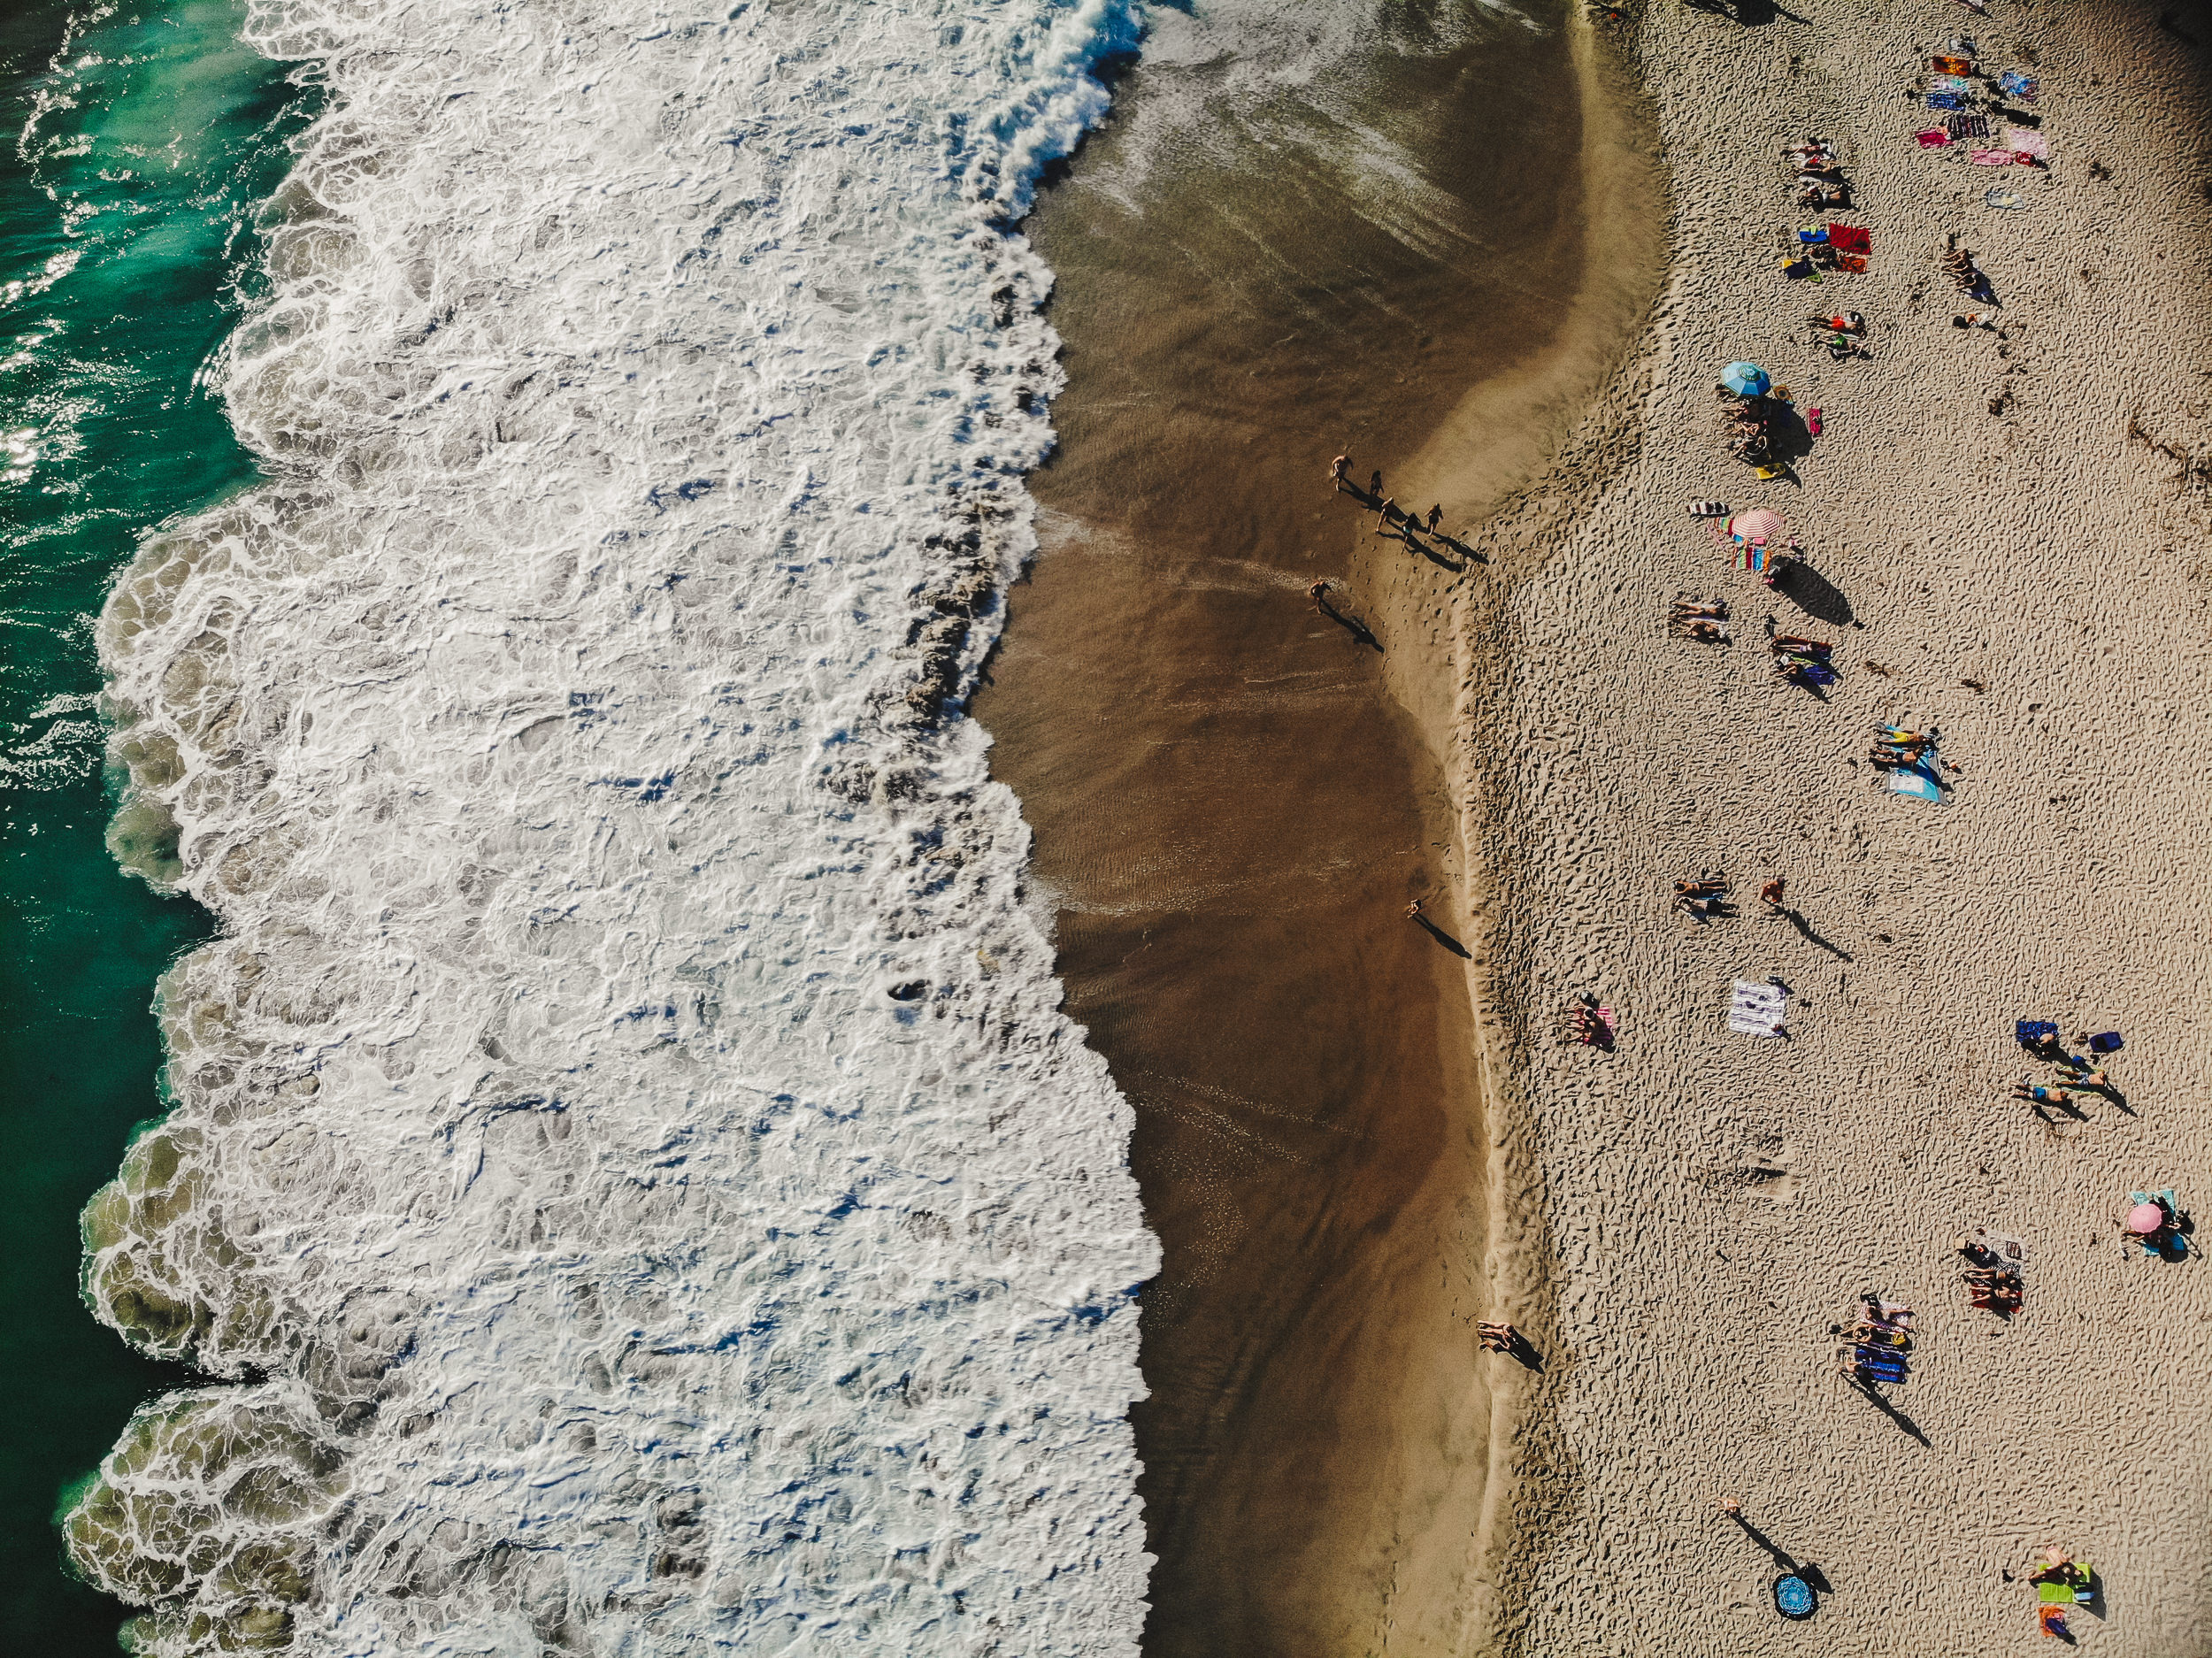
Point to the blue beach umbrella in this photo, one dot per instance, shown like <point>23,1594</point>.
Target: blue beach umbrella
<point>1745,380</point>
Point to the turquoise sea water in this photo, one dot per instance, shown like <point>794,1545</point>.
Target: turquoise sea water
<point>138,143</point>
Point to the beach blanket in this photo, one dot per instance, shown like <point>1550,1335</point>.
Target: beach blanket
<point>1919,784</point>
<point>2003,198</point>
<point>1851,238</point>
<point>1946,101</point>
<point>2013,84</point>
<point>1952,65</point>
<point>1950,83</point>
<point>1992,158</point>
<point>2021,142</point>
<point>1756,1009</point>
<point>1932,137</point>
<point>1968,126</point>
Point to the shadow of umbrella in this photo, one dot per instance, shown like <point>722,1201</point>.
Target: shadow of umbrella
<point>1813,594</point>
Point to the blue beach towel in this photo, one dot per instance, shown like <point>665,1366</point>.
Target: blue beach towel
<point>1946,101</point>
<point>2013,84</point>
<point>2029,1031</point>
<point>1919,784</point>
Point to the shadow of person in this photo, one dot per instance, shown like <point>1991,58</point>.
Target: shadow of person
<point>1780,1555</point>
<point>1805,930</point>
<point>1446,938</point>
<point>1360,631</point>
<point>1464,552</point>
<point>1524,1350</point>
<point>1892,1412</point>
<point>1813,593</point>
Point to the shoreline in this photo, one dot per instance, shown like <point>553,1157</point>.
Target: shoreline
<point>1961,508</point>
<point>1355,1511</point>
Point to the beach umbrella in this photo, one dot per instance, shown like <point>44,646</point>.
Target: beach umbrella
<point>1757,527</point>
<point>2145,1218</point>
<point>1745,380</point>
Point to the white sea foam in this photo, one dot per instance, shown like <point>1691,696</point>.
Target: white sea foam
<point>625,1147</point>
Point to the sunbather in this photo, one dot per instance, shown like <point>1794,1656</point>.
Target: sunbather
<point>1705,886</point>
<point>1716,609</point>
<point>1710,633</point>
<point>2036,1092</point>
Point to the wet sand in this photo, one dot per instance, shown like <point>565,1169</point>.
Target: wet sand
<point>1233,809</point>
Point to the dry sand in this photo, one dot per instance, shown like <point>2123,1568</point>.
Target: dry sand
<point>1680,1221</point>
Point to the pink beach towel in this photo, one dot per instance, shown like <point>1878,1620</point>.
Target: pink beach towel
<point>1992,158</point>
<point>1932,137</point>
<point>2024,142</point>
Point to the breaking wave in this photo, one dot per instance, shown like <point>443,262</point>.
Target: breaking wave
<point>626,1159</point>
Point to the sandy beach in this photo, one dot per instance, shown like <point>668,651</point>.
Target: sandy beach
<point>2003,533</point>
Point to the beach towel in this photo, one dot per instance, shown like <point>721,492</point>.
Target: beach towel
<point>1946,101</point>
<point>2013,84</point>
<point>1919,784</point>
<point>1816,673</point>
<point>1856,263</point>
<point>1992,158</point>
<point>2021,142</point>
<point>1950,83</point>
<point>1932,138</point>
<point>1756,1009</point>
<point>2028,1031</point>
<point>1952,65</point>
<point>1968,126</point>
<point>1814,234</point>
<point>1851,238</point>
<point>1999,197</point>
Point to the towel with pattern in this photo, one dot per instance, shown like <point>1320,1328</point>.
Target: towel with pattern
<point>2013,84</point>
<point>1952,65</point>
<point>2021,142</point>
<point>1934,137</point>
<point>1755,1009</point>
<point>1946,101</point>
<point>1992,158</point>
<point>1950,83</point>
<point>1968,126</point>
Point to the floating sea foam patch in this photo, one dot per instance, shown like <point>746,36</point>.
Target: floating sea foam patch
<point>626,1143</point>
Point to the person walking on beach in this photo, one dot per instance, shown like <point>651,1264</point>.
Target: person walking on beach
<point>1340,470</point>
<point>1374,483</point>
<point>1414,909</point>
<point>1436,516</point>
<point>1318,592</point>
<point>1385,515</point>
<point>1771,895</point>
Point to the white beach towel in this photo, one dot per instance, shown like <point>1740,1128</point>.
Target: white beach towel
<point>1756,1009</point>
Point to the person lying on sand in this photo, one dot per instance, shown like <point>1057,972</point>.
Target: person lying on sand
<point>2079,1072</point>
<point>1693,627</point>
<point>1716,609</point>
<point>1706,909</point>
<point>2038,1095</point>
<point>1704,887</point>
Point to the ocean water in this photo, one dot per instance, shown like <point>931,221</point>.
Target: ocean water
<point>628,1170</point>
<point>137,146</point>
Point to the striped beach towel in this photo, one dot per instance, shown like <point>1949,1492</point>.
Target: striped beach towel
<point>1968,126</point>
<point>1756,1009</point>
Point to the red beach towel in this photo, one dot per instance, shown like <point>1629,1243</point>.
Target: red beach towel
<point>1850,239</point>
<point>1934,136</point>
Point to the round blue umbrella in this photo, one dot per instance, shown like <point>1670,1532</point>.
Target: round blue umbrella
<point>1793,1597</point>
<point>1745,380</point>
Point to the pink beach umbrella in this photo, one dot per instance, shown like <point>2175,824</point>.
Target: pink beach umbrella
<point>2146,1218</point>
<point>1757,527</point>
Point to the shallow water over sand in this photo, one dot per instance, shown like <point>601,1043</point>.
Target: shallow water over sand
<point>1281,245</point>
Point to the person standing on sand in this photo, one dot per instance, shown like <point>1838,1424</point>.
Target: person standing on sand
<point>1340,470</point>
<point>1317,593</point>
<point>1771,895</point>
<point>1436,516</point>
<point>1414,909</point>
<point>1385,515</point>
<point>1374,483</point>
